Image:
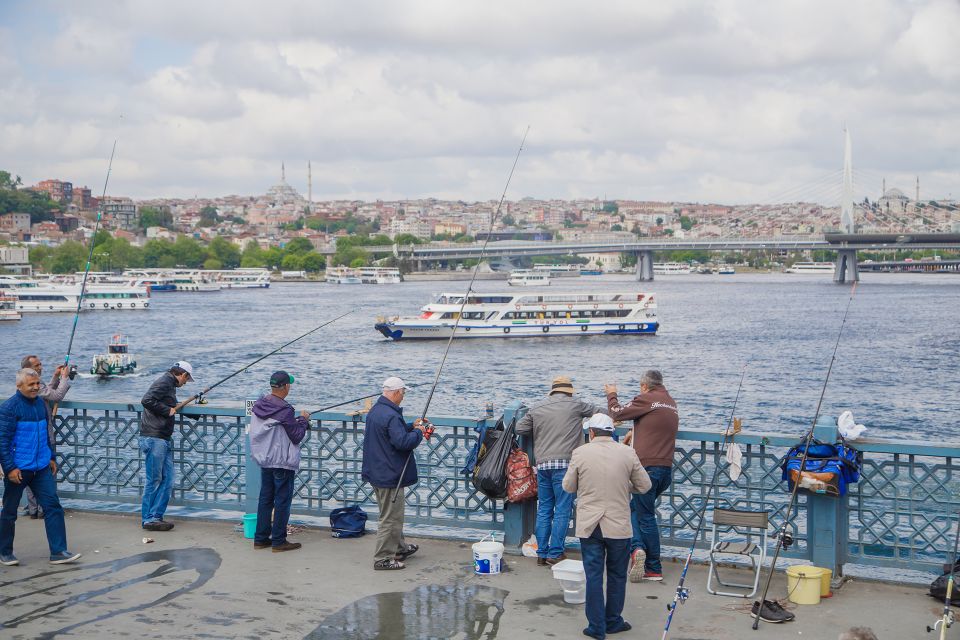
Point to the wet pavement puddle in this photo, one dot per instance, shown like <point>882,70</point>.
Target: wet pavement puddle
<point>83,594</point>
<point>466,612</point>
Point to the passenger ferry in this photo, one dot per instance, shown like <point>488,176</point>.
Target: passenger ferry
<point>52,298</point>
<point>507,315</point>
<point>116,361</point>
<point>241,278</point>
<point>726,270</point>
<point>810,267</point>
<point>379,275</point>
<point>671,268</point>
<point>528,278</point>
<point>8,307</point>
<point>558,270</point>
<point>343,275</point>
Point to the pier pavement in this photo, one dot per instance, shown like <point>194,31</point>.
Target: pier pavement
<point>204,580</point>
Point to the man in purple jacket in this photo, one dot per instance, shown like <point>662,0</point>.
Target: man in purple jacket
<point>275,437</point>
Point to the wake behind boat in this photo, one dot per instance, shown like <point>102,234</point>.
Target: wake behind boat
<point>508,315</point>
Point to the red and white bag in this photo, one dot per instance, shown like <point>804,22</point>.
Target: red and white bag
<point>521,477</point>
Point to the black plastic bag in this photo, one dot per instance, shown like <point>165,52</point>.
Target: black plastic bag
<point>938,588</point>
<point>490,474</point>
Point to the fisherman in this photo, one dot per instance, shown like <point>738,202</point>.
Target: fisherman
<point>556,425</point>
<point>603,473</point>
<point>156,443</point>
<point>275,437</point>
<point>29,460</point>
<point>51,394</point>
<point>654,435</point>
<point>387,443</point>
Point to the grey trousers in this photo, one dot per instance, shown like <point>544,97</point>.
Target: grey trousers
<point>390,540</point>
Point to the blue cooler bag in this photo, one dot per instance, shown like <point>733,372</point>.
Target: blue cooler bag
<point>348,522</point>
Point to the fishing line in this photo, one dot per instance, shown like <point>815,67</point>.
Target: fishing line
<point>782,536</point>
<point>340,404</point>
<point>682,592</point>
<point>463,303</point>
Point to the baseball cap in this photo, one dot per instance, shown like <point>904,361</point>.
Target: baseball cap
<point>186,366</point>
<point>281,378</point>
<point>394,383</point>
<point>600,422</point>
<point>562,384</point>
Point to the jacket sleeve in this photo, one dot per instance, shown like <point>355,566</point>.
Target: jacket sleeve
<point>151,399</point>
<point>587,410</point>
<point>295,427</point>
<point>525,424</point>
<point>630,411</point>
<point>639,477</point>
<point>401,438</point>
<point>8,428</point>
<point>572,476</point>
<point>51,393</point>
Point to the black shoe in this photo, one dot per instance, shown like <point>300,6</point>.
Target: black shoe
<point>626,626</point>
<point>410,550</point>
<point>287,546</point>
<point>771,612</point>
<point>541,562</point>
<point>158,526</point>
<point>591,634</point>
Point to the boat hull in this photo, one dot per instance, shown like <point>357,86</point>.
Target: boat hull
<point>410,331</point>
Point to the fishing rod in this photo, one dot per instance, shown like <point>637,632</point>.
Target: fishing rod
<point>463,303</point>
<point>946,621</point>
<point>682,593</point>
<point>340,404</point>
<point>199,396</point>
<point>784,539</point>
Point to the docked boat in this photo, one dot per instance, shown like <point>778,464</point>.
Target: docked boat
<point>52,298</point>
<point>241,278</point>
<point>558,270</point>
<point>117,361</point>
<point>508,315</point>
<point>810,267</point>
<point>8,307</point>
<point>591,272</point>
<point>671,268</point>
<point>195,281</point>
<point>342,275</point>
<point>528,278</point>
<point>379,275</point>
<point>726,270</point>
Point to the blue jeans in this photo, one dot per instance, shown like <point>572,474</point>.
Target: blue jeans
<point>158,465</point>
<point>44,486</point>
<point>643,516</point>
<point>276,494</point>
<point>603,617</point>
<point>553,512</point>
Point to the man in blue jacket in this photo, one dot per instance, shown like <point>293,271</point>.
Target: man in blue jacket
<point>28,459</point>
<point>387,442</point>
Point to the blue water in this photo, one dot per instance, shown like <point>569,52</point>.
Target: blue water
<point>896,367</point>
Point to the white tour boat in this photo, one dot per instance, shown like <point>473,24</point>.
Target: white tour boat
<point>379,275</point>
<point>508,315</point>
<point>52,298</point>
<point>528,278</point>
<point>726,270</point>
<point>117,361</point>
<point>342,275</point>
<point>671,268</point>
<point>810,267</point>
<point>558,270</point>
<point>8,307</point>
<point>240,278</point>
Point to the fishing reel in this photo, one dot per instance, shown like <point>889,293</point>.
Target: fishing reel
<point>201,399</point>
<point>428,428</point>
<point>682,594</point>
<point>946,620</point>
<point>786,539</point>
<point>72,372</point>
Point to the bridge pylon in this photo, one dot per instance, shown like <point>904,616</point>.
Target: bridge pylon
<point>845,269</point>
<point>644,266</point>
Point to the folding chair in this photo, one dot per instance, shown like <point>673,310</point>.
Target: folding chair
<point>746,523</point>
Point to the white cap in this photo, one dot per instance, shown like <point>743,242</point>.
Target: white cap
<point>393,383</point>
<point>183,364</point>
<point>600,422</point>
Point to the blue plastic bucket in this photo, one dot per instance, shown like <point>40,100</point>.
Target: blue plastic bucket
<point>249,525</point>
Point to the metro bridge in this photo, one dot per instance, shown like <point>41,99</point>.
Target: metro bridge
<point>845,244</point>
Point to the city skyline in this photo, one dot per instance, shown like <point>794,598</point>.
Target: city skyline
<point>727,103</point>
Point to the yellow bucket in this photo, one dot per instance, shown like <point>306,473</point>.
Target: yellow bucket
<point>803,584</point>
<point>825,583</point>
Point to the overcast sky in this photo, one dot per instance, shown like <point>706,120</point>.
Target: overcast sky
<point>713,102</point>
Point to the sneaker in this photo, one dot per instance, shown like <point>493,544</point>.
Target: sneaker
<point>64,557</point>
<point>8,559</point>
<point>158,526</point>
<point>771,611</point>
<point>287,546</point>
<point>390,564</point>
<point>652,576</point>
<point>410,550</point>
<point>637,558</point>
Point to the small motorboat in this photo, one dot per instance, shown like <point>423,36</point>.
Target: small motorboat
<point>117,361</point>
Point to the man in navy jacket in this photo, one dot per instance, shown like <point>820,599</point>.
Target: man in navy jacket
<point>28,460</point>
<point>387,442</point>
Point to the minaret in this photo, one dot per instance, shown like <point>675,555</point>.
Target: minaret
<point>846,198</point>
<point>918,190</point>
<point>283,173</point>
<point>309,188</point>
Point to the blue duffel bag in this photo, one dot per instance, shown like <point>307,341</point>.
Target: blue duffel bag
<point>348,522</point>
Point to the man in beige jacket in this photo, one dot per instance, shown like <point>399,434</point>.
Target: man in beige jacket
<point>603,473</point>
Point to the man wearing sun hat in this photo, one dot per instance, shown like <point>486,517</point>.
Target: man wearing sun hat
<point>156,443</point>
<point>387,443</point>
<point>275,437</point>
<point>556,425</point>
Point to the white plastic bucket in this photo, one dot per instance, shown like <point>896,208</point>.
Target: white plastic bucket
<point>572,579</point>
<point>487,556</point>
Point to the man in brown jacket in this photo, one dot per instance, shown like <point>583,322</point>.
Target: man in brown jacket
<point>603,473</point>
<point>654,436</point>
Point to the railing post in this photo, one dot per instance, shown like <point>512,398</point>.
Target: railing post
<point>828,525</point>
<point>520,518</point>
<point>251,468</point>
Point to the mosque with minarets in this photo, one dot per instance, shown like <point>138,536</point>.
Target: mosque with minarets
<point>280,205</point>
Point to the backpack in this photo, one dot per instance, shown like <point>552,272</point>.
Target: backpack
<point>348,522</point>
<point>521,477</point>
<point>828,470</point>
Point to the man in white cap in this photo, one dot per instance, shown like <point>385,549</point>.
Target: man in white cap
<point>603,474</point>
<point>387,443</point>
<point>156,443</point>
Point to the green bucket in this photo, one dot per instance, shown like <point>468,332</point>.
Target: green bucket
<point>249,525</point>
